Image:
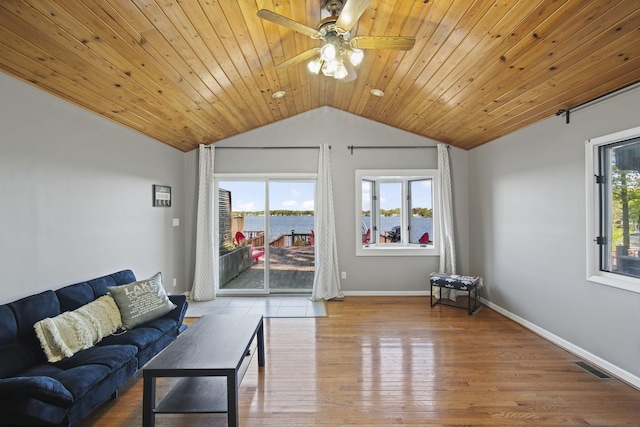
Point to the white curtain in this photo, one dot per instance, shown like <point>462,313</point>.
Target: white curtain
<point>326,280</point>
<point>203,279</point>
<point>445,216</point>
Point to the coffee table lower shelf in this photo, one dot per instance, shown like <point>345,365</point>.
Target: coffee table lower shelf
<point>200,395</point>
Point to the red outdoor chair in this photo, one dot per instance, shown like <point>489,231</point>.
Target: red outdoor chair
<point>256,253</point>
<point>424,239</point>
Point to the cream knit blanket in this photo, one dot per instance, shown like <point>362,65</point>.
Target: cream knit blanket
<point>66,334</point>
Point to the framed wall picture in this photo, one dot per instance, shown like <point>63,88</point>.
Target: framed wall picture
<point>162,196</point>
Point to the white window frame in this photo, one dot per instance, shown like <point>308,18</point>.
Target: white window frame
<point>594,274</point>
<point>404,248</point>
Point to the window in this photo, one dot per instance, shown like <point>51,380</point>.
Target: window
<point>613,178</point>
<point>395,212</point>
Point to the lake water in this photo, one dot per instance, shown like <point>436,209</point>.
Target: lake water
<point>280,225</point>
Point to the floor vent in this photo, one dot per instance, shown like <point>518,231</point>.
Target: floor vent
<point>594,371</point>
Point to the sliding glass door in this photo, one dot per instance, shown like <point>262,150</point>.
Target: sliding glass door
<point>266,232</point>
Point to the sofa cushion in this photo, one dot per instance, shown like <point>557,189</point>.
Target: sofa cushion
<point>163,324</point>
<point>81,372</point>
<point>74,296</point>
<point>111,356</point>
<point>142,301</point>
<point>17,357</point>
<point>141,337</point>
<point>80,380</point>
<point>24,351</point>
<point>8,325</point>
<point>31,309</point>
<point>100,284</point>
<point>45,389</point>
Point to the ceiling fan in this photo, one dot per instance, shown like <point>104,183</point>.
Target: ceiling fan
<point>339,53</point>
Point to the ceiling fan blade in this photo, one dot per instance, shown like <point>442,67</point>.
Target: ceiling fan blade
<point>286,22</point>
<point>384,42</point>
<point>307,54</point>
<point>351,12</point>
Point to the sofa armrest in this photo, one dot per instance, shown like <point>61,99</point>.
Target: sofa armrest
<point>180,311</point>
<point>43,388</point>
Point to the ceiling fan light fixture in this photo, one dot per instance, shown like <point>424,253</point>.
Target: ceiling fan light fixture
<point>355,56</point>
<point>328,52</point>
<point>339,53</point>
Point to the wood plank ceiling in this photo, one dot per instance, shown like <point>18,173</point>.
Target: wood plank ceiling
<point>198,71</point>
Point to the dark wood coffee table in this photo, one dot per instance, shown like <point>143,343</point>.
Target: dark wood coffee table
<point>211,357</point>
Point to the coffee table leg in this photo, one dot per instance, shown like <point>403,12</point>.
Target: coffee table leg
<point>261,344</point>
<point>232,399</point>
<point>148,402</point>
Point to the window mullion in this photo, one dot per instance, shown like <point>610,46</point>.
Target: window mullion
<point>375,212</point>
<point>405,210</point>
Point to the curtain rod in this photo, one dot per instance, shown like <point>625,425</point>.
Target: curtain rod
<point>284,147</point>
<point>567,111</point>
<point>352,147</point>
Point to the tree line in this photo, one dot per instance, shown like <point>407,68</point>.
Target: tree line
<point>276,212</point>
<point>415,212</point>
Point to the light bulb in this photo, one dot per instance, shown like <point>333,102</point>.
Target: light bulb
<point>355,56</point>
<point>341,71</point>
<point>328,52</point>
<point>315,65</point>
<point>329,68</point>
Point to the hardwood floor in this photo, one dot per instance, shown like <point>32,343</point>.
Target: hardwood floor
<point>391,361</point>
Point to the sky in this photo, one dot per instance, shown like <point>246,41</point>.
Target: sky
<point>248,196</point>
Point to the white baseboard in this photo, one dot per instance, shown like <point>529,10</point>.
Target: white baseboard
<point>612,369</point>
<point>386,293</point>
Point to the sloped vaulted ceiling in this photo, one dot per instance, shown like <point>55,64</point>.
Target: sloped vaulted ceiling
<point>198,71</point>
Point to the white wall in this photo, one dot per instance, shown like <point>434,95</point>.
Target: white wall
<point>528,227</point>
<point>75,193</point>
<point>368,275</point>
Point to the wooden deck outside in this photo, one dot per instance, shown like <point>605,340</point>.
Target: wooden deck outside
<point>290,268</point>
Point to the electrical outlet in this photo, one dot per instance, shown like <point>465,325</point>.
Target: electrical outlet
<point>175,282</point>
<point>344,275</point>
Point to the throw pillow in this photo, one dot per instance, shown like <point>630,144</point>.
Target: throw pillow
<point>142,301</point>
<point>68,333</point>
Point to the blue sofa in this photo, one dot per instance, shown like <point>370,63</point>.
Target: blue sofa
<point>35,392</point>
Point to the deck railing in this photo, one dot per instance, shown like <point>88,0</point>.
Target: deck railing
<point>256,238</point>
<point>293,239</point>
